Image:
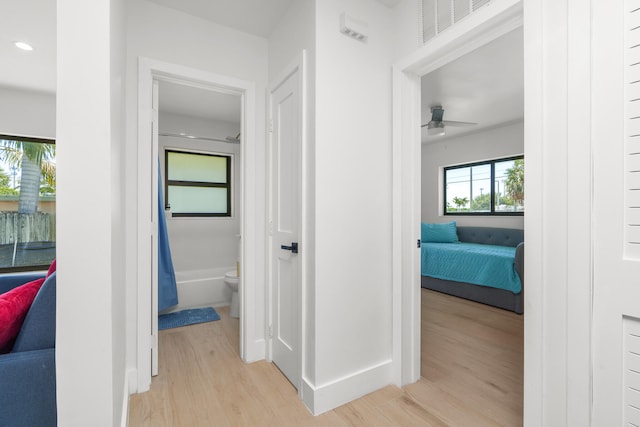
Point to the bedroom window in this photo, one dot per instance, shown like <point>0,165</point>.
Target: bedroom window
<point>197,184</point>
<point>494,187</point>
<point>27,203</point>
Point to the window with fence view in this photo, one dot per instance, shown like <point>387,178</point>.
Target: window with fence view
<point>494,187</point>
<point>27,203</point>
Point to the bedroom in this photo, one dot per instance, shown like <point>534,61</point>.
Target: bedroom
<point>484,89</point>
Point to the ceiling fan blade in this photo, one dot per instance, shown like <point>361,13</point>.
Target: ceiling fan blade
<point>234,139</point>
<point>451,123</point>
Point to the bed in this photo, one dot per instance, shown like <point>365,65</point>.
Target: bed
<point>486,265</point>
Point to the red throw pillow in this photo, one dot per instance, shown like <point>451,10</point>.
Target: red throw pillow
<point>52,269</point>
<point>13,309</point>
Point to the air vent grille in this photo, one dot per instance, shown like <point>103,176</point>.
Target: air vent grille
<point>631,372</point>
<point>461,8</point>
<point>428,20</point>
<point>632,130</point>
<point>444,11</point>
<point>438,15</point>
<point>475,4</point>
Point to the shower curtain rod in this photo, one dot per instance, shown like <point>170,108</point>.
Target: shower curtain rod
<point>203,138</point>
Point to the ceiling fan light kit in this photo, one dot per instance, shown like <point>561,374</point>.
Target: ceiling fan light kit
<point>436,126</point>
<point>437,129</point>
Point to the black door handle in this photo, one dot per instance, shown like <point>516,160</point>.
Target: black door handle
<point>293,248</point>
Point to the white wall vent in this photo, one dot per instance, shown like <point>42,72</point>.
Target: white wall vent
<point>632,130</point>
<point>461,8</point>
<point>438,15</point>
<point>444,11</point>
<point>631,371</point>
<point>475,4</point>
<point>354,28</point>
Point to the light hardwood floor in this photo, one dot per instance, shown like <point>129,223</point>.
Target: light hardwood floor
<point>472,368</point>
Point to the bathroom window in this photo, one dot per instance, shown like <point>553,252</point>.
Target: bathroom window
<point>198,184</point>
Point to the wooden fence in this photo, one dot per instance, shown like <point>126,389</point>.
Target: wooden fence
<point>37,227</point>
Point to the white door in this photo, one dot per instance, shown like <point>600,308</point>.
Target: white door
<point>286,141</point>
<point>616,294</point>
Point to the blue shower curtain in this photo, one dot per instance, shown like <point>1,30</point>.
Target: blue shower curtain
<point>167,288</point>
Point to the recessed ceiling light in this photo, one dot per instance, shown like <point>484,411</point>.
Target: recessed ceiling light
<point>23,46</point>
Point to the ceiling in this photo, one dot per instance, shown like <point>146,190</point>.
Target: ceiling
<point>258,17</point>
<point>34,22</point>
<point>485,86</point>
<point>196,102</point>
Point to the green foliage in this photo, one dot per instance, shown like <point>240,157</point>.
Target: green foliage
<point>8,191</point>
<point>5,185</point>
<point>4,178</point>
<point>481,203</point>
<point>46,190</point>
<point>515,182</point>
<point>460,202</point>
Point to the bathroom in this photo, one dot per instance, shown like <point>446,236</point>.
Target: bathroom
<point>196,124</point>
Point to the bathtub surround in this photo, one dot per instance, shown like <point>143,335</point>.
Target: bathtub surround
<point>201,288</point>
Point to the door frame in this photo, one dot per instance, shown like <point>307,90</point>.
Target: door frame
<point>558,368</point>
<point>298,64</point>
<point>483,26</point>
<point>148,71</point>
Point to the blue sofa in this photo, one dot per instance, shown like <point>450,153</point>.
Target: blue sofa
<point>28,372</point>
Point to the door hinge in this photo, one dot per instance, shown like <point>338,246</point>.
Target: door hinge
<point>270,228</point>
<point>270,125</point>
<point>270,331</point>
<point>419,243</point>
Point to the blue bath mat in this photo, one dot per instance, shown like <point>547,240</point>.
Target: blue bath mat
<point>187,317</point>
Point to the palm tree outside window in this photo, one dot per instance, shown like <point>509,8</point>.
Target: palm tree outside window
<point>27,203</point>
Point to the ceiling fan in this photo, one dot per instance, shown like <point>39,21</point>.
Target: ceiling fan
<point>436,125</point>
<point>233,139</point>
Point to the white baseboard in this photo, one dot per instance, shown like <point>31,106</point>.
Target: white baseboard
<point>329,396</point>
<point>256,352</point>
<point>128,384</point>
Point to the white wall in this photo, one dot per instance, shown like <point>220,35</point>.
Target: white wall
<point>353,177</point>
<point>27,113</point>
<point>164,34</point>
<point>120,390</point>
<point>90,335</point>
<point>504,141</point>
<point>202,248</point>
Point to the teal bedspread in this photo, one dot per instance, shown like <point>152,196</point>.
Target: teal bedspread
<point>484,265</point>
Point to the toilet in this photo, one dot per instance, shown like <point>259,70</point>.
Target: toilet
<point>232,280</point>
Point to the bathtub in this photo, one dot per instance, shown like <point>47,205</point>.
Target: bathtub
<point>202,288</point>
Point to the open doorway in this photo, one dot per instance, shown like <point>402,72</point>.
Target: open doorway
<point>199,154</point>
<point>471,33</point>
<point>472,145</point>
<point>150,73</point>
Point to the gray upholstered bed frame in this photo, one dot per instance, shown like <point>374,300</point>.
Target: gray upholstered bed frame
<point>486,295</point>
